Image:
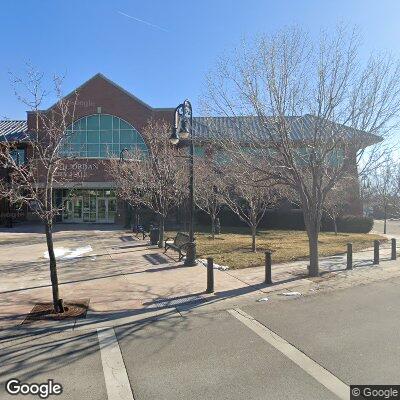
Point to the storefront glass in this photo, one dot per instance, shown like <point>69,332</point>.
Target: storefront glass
<point>81,205</point>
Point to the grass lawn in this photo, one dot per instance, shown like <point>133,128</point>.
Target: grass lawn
<point>234,249</point>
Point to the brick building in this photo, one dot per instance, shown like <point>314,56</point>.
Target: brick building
<point>107,119</point>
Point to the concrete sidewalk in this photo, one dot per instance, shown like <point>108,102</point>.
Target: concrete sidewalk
<point>126,280</point>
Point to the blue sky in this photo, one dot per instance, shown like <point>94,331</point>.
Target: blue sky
<point>161,50</point>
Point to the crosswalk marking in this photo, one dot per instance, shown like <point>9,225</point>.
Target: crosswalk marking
<point>323,376</point>
<point>115,375</point>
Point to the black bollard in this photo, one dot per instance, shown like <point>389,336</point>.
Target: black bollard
<point>376,251</point>
<point>349,256</point>
<point>210,275</point>
<point>268,267</point>
<point>394,249</point>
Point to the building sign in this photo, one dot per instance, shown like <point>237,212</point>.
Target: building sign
<point>77,170</point>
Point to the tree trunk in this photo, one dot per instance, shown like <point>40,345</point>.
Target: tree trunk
<point>212,227</point>
<point>253,239</point>
<point>385,218</point>
<point>161,233</point>
<point>314,257</point>
<point>53,268</point>
<point>335,225</point>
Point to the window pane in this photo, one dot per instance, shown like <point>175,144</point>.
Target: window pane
<point>128,146</point>
<point>127,136</point>
<point>93,137</point>
<point>124,125</point>
<point>78,137</point>
<point>93,150</point>
<point>93,122</point>
<point>79,125</point>
<point>116,149</point>
<point>105,122</point>
<point>115,123</point>
<point>105,150</point>
<point>115,136</point>
<point>106,137</point>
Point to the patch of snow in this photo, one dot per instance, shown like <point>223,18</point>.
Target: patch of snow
<point>263,299</point>
<point>216,266</point>
<point>58,252</point>
<point>290,294</point>
<point>65,253</point>
<point>78,252</point>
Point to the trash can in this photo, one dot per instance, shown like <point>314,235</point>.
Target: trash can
<point>154,235</point>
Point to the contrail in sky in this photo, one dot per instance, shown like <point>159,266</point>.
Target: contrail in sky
<point>142,21</point>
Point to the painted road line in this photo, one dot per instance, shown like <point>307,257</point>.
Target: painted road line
<point>116,378</point>
<point>323,376</point>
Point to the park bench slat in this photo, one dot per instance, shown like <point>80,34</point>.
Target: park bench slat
<point>178,243</point>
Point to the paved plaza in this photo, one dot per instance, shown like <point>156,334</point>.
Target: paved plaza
<point>152,332</point>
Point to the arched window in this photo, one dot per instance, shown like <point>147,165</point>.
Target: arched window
<point>101,136</point>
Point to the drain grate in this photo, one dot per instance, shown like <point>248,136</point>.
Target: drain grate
<point>177,301</point>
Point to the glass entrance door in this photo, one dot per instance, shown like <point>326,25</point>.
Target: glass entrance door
<point>67,211</point>
<point>102,210</point>
<point>72,209</point>
<point>106,209</point>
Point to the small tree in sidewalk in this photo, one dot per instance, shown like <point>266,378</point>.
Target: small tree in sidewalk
<point>247,196</point>
<point>208,187</point>
<point>32,183</point>
<point>155,178</point>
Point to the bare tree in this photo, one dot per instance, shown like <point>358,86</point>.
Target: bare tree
<point>385,188</point>
<point>336,202</point>
<point>310,111</point>
<point>247,197</point>
<point>155,178</point>
<point>208,196</point>
<point>33,183</point>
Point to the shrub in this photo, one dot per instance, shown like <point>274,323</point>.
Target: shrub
<point>354,224</point>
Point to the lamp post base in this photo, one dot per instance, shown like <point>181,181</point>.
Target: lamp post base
<point>190,255</point>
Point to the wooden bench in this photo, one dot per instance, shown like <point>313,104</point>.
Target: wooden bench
<point>178,243</point>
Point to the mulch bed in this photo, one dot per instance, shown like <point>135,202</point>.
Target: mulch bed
<point>45,311</point>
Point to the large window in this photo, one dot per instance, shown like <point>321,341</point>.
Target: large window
<point>101,136</point>
<point>18,156</point>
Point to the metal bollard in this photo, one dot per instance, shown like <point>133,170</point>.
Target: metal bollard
<point>210,275</point>
<point>268,267</point>
<point>394,249</point>
<point>349,255</point>
<point>376,251</point>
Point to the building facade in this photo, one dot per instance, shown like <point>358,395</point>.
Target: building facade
<point>107,119</point>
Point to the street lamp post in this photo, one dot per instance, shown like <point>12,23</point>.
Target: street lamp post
<point>183,129</point>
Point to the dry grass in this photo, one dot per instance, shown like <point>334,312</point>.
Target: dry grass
<point>234,249</point>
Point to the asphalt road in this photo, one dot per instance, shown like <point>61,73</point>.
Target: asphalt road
<point>353,333</point>
<point>392,227</point>
<point>71,359</point>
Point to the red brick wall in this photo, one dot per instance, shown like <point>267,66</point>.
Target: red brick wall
<point>99,92</point>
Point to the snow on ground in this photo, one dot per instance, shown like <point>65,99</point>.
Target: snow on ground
<point>262,299</point>
<point>290,294</point>
<point>65,253</point>
<point>216,266</point>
